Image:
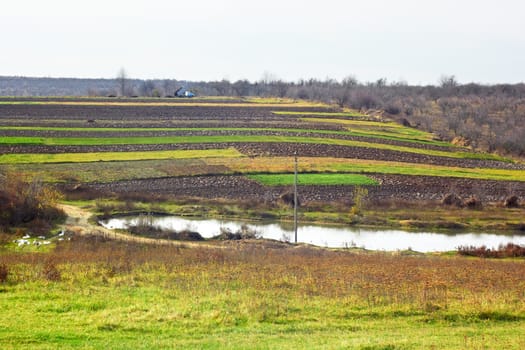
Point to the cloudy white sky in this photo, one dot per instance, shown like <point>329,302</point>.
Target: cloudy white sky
<point>411,40</point>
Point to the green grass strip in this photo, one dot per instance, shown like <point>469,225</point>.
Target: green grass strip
<point>116,156</point>
<point>369,128</point>
<point>324,114</point>
<point>313,179</point>
<point>93,141</point>
<point>144,165</point>
<point>385,135</point>
<point>347,122</point>
<point>279,165</point>
<point>432,170</point>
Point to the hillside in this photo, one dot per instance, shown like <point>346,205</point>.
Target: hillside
<point>238,150</point>
<point>71,283</point>
<point>487,118</point>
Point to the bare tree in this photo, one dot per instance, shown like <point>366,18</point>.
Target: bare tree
<point>268,78</point>
<point>279,88</point>
<point>146,88</point>
<point>350,81</point>
<point>169,86</point>
<point>241,87</point>
<point>341,95</point>
<point>122,81</point>
<point>448,81</point>
<point>222,87</point>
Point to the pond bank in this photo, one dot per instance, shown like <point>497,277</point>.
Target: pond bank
<point>323,236</point>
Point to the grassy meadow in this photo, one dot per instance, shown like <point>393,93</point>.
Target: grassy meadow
<point>89,293</point>
<point>84,290</point>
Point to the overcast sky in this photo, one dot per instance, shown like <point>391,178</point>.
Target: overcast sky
<point>416,41</point>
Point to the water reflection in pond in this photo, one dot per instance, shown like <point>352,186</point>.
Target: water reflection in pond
<point>331,236</point>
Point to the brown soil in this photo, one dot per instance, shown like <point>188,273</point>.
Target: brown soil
<point>278,149</point>
<point>238,187</point>
<point>143,113</point>
<point>393,187</point>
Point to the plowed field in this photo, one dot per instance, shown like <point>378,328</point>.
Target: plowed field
<point>257,131</point>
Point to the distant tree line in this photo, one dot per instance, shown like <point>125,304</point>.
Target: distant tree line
<point>485,117</point>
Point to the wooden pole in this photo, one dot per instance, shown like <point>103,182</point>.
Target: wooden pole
<point>295,198</point>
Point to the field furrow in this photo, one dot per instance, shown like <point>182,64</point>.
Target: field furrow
<point>239,149</point>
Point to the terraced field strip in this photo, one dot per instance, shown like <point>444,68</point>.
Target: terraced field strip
<point>378,129</point>
<point>366,123</point>
<point>125,129</point>
<point>313,179</point>
<point>116,156</point>
<point>402,135</point>
<point>338,165</point>
<point>111,171</point>
<point>144,165</point>
<point>128,129</point>
<point>350,114</point>
<point>92,141</point>
<point>170,104</point>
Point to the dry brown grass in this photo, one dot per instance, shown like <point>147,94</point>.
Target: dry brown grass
<point>377,278</point>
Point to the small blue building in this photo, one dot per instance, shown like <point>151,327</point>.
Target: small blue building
<point>182,92</point>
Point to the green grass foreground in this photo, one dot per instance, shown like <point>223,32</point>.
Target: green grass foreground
<point>92,295</point>
<point>313,179</point>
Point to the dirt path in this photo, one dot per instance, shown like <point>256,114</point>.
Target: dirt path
<point>78,223</point>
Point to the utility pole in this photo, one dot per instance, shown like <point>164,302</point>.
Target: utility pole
<point>295,198</point>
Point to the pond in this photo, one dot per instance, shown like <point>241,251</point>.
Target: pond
<point>329,236</point>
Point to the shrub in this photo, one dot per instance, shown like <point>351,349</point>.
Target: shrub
<point>510,250</point>
<point>288,199</point>
<point>512,202</point>
<point>145,227</point>
<point>452,199</point>
<point>360,194</point>
<point>22,202</point>
<point>51,272</point>
<point>405,122</point>
<point>473,202</point>
<point>80,192</point>
<point>364,99</point>
<point>4,273</point>
<point>393,109</point>
<point>243,233</point>
<point>188,235</point>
